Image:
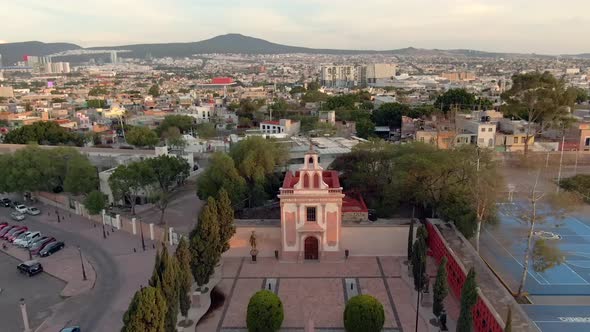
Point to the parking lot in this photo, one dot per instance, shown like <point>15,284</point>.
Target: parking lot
<point>40,292</point>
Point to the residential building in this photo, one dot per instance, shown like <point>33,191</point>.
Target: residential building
<point>584,136</point>
<point>327,117</point>
<point>481,129</point>
<point>458,76</point>
<point>282,126</point>
<point>380,100</point>
<point>338,76</point>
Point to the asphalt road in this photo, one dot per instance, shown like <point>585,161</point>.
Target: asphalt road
<point>41,293</point>
<point>85,310</point>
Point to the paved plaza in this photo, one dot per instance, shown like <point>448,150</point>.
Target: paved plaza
<point>318,291</point>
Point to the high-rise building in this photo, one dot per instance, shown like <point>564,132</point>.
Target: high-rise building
<point>372,74</point>
<point>1,64</point>
<point>114,58</point>
<point>338,76</point>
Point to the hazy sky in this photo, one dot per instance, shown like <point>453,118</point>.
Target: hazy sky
<point>540,26</point>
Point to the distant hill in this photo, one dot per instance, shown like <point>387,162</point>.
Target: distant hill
<point>232,43</point>
<point>13,52</point>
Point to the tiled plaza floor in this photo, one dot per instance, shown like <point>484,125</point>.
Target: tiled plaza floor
<point>315,291</point>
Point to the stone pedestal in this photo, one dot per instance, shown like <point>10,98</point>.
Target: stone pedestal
<point>196,299</point>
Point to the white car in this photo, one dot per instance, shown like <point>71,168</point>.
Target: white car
<point>28,239</point>
<point>17,216</point>
<point>33,211</point>
<point>21,208</point>
<point>21,238</point>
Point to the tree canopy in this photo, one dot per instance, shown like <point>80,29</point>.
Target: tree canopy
<point>44,133</point>
<point>184,123</point>
<point>142,137</point>
<point>146,312</point>
<point>221,174</point>
<point>460,99</point>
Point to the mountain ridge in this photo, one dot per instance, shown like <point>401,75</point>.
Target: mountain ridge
<point>235,43</point>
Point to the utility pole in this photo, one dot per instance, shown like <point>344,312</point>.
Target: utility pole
<point>560,161</point>
<point>141,231</point>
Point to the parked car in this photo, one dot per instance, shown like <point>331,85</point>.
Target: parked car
<point>30,267</point>
<point>16,234</point>
<point>12,231</point>
<point>3,224</point>
<point>70,329</point>
<point>33,211</point>
<point>40,245</point>
<point>17,216</point>
<point>28,239</point>
<point>6,229</point>
<point>6,202</point>
<point>21,208</point>
<point>40,238</point>
<point>51,249</point>
<point>21,237</point>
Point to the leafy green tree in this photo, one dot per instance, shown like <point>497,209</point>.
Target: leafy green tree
<point>206,130</point>
<point>468,301</point>
<point>410,239</point>
<point>540,99</point>
<point>127,182</point>
<point>174,138</point>
<point>313,86</point>
<point>98,91</point>
<point>154,91</point>
<point>205,245</point>
<point>256,158</point>
<point>185,277</point>
<point>81,176</point>
<point>184,123</point>
<point>96,103</point>
<point>141,137</point>
<point>166,172</point>
<point>546,255</point>
<point>363,313</point>
<point>227,228</point>
<point>441,289</point>
<point>28,169</point>
<point>314,97</point>
<point>43,133</point>
<point>365,128</point>
<point>579,184</point>
<point>390,114</point>
<point>221,174</point>
<point>146,312</point>
<point>95,202</point>
<point>456,99</point>
<point>340,102</point>
<point>169,277</point>
<point>265,312</point>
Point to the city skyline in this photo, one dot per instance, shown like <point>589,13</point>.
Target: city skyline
<point>498,26</point>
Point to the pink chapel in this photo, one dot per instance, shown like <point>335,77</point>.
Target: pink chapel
<point>313,207</point>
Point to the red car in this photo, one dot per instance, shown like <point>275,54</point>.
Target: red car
<point>5,230</point>
<point>3,224</point>
<point>14,235</point>
<point>10,230</point>
<point>38,246</point>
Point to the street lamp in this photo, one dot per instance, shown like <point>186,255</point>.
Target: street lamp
<point>141,231</point>
<point>419,292</point>
<point>104,234</point>
<point>25,316</point>
<point>82,263</point>
<point>57,214</point>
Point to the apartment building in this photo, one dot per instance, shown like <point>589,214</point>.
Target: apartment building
<point>338,76</point>
<point>375,74</point>
<point>282,126</point>
<point>482,130</point>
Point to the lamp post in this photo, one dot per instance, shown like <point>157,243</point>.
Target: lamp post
<point>57,214</point>
<point>141,231</point>
<point>104,234</point>
<point>419,292</point>
<point>82,263</point>
<point>23,311</point>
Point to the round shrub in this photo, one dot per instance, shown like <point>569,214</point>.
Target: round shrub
<point>363,313</point>
<point>265,312</point>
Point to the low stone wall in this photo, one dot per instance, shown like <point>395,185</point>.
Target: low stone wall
<point>375,240</point>
<point>268,239</point>
<point>355,216</point>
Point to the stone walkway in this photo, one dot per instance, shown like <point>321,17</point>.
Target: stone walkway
<point>318,291</point>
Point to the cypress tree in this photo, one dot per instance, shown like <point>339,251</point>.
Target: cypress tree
<point>468,301</point>
<point>227,228</point>
<point>440,288</point>
<point>183,256</point>
<point>157,268</point>
<point>205,246</point>
<point>410,239</point>
<point>419,259</point>
<point>508,327</point>
<point>170,291</point>
<point>146,312</point>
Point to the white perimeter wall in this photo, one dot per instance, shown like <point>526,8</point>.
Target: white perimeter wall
<point>362,240</point>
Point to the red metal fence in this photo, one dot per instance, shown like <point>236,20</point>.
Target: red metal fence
<point>483,318</point>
